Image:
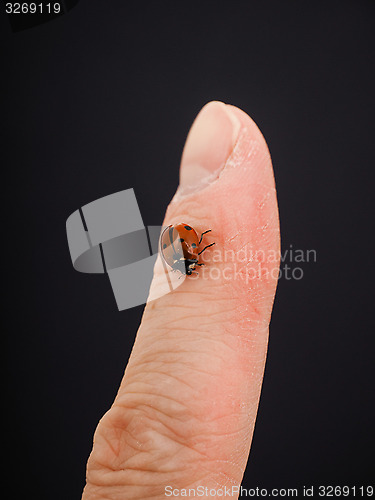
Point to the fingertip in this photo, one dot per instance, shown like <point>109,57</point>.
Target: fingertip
<point>210,141</point>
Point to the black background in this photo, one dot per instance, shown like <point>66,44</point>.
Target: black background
<point>101,99</point>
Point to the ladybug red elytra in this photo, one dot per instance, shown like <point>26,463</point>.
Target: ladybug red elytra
<point>179,247</point>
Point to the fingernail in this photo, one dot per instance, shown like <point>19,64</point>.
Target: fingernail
<point>209,144</point>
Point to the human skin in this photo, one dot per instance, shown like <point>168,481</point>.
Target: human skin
<point>185,411</point>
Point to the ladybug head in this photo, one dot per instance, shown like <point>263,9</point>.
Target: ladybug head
<point>190,265</point>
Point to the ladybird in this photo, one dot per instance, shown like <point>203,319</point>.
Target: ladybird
<point>179,247</point>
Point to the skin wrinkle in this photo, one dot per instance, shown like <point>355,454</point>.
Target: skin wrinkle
<point>156,407</point>
<point>203,313</point>
<point>155,347</point>
<point>177,408</point>
<point>129,475</point>
<point>146,361</point>
<point>179,361</point>
<point>123,479</point>
<point>161,349</point>
<point>147,446</point>
<point>178,358</point>
<point>142,469</point>
<point>177,379</point>
<point>183,411</point>
<point>181,321</point>
<point>167,374</point>
<point>197,434</point>
<point>196,323</point>
<point>177,437</point>
<point>206,350</point>
<point>196,370</point>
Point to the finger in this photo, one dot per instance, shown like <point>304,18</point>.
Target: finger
<point>185,411</point>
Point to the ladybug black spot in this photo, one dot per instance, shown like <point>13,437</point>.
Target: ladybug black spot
<point>182,240</point>
<point>164,246</point>
<point>194,245</point>
<point>188,228</point>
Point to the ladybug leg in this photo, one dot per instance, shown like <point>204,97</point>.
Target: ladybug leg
<point>202,264</point>
<point>205,232</point>
<point>205,248</point>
